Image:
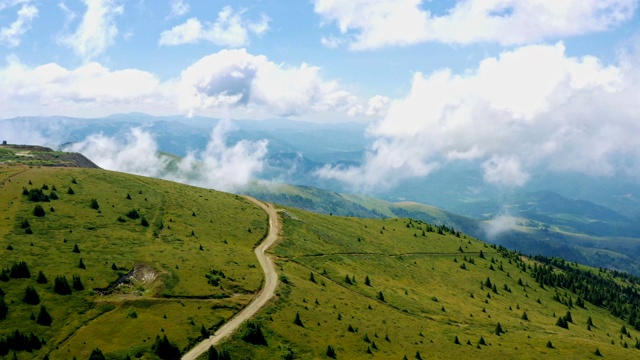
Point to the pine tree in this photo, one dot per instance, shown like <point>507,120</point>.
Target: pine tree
<point>347,279</point>
<point>589,321</point>
<point>331,353</point>
<point>4,309</point>
<point>61,286</point>
<point>43,317</point>
<point>367,281</point>
<point>456,341</point>
<point>381,296</point>
<point>298,321</point>
<point>597,352</point>
<point>31,296</point>
<point>77,283</point>
<point>212,353</point>
<point>312,278</point>
<point>76,249</point>
<point>95,206</point>
<point>81,265</point>
<point>165,349</point>
<point>38,211</point>
<point>499,330</point>
<point>525,316</point>
<point>549,344</point>
<point>96,354</point>
<point>70,191</point>
<point>41,279</point>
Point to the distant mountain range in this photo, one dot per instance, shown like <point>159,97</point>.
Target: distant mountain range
<point>595,220</point>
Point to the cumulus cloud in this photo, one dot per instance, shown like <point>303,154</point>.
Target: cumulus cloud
<point>11,35</point>
<point>97,29</point>
<point>56,89</point>
<point>236,78</point>
<point>218,166</point>
<point>230,82</point>
<point>527,108</point>
<point>229,29</point>
<point>370,24</point>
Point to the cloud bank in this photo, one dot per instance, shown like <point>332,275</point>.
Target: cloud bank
<point>227,83</point>
<point>527,108</point>
<point>218,166</point>
<point>371,24</point>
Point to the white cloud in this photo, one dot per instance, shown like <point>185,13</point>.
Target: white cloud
<point>232,78</point>
<point>51,89</point>
<point>527,108</point>
<point>4,4</point>
<point>227,83</point>
<point>11,35</point>
<point>97,29</point>
<point>229,29</point>
<point>179,7</point>
<point>370,24</point>
<point>221,167</point>
<point>499,225</point>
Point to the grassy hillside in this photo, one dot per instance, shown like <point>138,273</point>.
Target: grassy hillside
<point>190,233</point>
<point>398,287</point>
<point>545,223</point>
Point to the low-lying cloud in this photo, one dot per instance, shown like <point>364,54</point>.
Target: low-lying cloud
<point>218,166</point>
<point>529,108</point>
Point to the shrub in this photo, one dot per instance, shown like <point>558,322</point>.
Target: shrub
<point>133,214</point>
<point>24,224</point>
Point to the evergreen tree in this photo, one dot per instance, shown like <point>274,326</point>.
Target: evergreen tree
<point>204,332</point>
<point>347,279</point>
<point>145,223</point>
<point>456,341</point>
<point>76,249</point>
<point>165,349</point>
<point>212,353</point>
<point>20,270</point>
<point>41,279</point>
<point>525,316</point>
<point>298,321</point>
<point>77,283</point>
<point>96,354</point>
<point>61,286</point>
<point>549,344</point>
<point>597,352</point>
<point>381,296</point>
<point>43,317</point>
<point>331,353</point>
<point>367,281</point>
<point>38,211</point>
<point>81,265</point>
<point>4,309</point>
<point>499,330</point>
<point>253,334</point>
<point>589,321</point>
<point>31,296</point>
<point>95,206</point>
<point>312,278</point>
<point>418,356</point>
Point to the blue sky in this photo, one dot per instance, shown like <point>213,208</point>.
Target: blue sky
<point>365,47</point>
<point>512,85</point>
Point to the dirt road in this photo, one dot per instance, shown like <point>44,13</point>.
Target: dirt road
<point>271,280</point>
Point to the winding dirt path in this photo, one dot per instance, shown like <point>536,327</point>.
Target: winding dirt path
<point>271,280</point>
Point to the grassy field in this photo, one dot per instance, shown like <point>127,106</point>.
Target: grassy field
<point>427,300</point>
<point>190,232</point>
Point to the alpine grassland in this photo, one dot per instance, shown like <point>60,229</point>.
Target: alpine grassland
<point>354,288</point>
<point>118,262</point>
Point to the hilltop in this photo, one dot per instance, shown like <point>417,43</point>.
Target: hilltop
<point>41,156</point>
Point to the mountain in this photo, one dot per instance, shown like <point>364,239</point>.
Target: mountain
<point>136,266</point>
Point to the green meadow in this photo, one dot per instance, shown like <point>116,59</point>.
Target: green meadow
<point>189,233</point>
<point>385,289</point>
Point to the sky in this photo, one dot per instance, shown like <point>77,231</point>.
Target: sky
<point>512,85</point>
